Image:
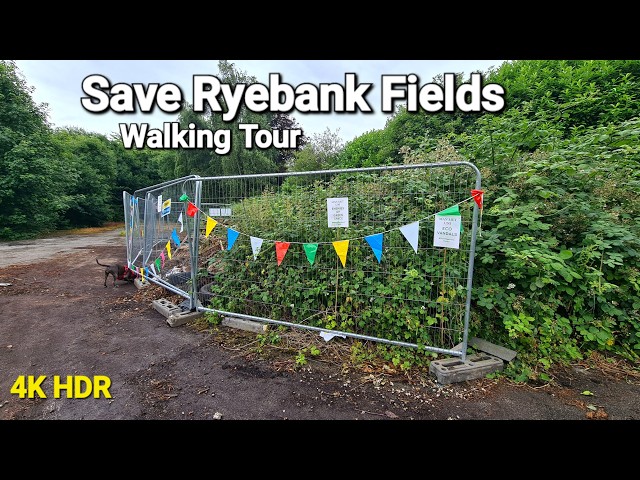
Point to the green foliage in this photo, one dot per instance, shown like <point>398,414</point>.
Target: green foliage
<point>388,301</point>
<point>19,115</point>
<point>32,181</point>
<point>371,149</point>
<point>319,153</point>
<point>58,179</point>
<point>559,252</point>
<point>301,359</point>
<point>31,171</point>
<point>239,160</point>
<point>91,170</point>
<point>557,271</point>
<point>580,94</point>
<point>213,318</point>
<point>272,338</point>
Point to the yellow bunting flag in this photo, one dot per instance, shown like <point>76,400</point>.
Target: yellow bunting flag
<point>211,224</point>
<point>169,249</point>
<point>142,274</point>
<point>341,249</point>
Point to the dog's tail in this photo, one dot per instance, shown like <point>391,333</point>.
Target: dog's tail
<point>102,265</point>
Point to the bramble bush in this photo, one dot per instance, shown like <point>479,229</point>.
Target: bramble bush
<point>557,261</point>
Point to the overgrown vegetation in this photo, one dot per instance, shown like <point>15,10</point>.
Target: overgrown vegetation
<point>406,298</point>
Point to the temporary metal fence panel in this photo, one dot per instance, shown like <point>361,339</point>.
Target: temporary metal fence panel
<point>383,254</point>
<point>132,226</point>
<point>161,236</point>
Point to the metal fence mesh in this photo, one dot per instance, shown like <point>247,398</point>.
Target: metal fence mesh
<point>413,295</point>
<point>159,234</point>
<point>348,252</point>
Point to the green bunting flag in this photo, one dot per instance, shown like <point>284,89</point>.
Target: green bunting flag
<point>451,212</point>
<point>311,249</point>
<point>455,210</point>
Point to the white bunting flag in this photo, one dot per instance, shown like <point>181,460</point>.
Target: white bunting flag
<point>256,244</point>
<point>410,232</point>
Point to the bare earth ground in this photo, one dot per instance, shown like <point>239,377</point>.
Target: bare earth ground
<point>58,319</point>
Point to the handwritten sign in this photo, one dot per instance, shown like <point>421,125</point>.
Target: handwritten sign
<point>338,212</point>
<point>446,232</point>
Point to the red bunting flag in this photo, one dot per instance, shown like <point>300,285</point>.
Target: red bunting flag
<point>281,250</point>
<point>477,196</point>
<point>191,209</point>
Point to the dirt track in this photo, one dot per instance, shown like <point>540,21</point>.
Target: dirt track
<point>58,319</point>
<point>30,251</point>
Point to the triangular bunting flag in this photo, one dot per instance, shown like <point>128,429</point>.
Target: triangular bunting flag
<point>162,256</point>
<point>158,263</point>
<point>452,212</point>
<point>478,196</point>
<point>175,237</point>
<point>375,242</point>
<point>146,271</point>
<point>281,250</point>
<point>211,224</point>
<point>410,232</point>
<point>141,270</point>
<point>310,249</point>
<point>341,248</point>
<point>153,269</point>
<point>256,244</point>
<point>231,237</point>
<point>180,222</point>
<point>184,197</point>
<point>191,209</point>
<point>455,210</point>
<point>169,250</point>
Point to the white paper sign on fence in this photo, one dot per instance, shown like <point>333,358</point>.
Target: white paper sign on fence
<point>338,212</point>
<point>446,231</point>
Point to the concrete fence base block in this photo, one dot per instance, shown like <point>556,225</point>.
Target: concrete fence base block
<point>181,318</point>
<point>248,325</point>
<point>175,314</point>
<point>453,370</point>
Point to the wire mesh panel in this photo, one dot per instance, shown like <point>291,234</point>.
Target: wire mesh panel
<point>383,254</point>
<point>133,222</point>
<point>161,245</point>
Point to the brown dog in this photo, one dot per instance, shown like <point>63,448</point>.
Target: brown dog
<point>118,272</point>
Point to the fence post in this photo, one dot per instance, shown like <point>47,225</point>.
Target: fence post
<point>194,245</point>
<point>472,253</point>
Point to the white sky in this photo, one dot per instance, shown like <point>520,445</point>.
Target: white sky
<point>59,84</point>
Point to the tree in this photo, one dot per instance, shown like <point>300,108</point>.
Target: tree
<point>91,164</point>
<point>32,174</point>
<point>370,149</point>
<point>320,153</point>
<point>283,157</point>
<point>240,159</point>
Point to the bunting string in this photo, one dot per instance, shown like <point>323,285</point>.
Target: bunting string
<point>237,233</point>
<point>410,231</point>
